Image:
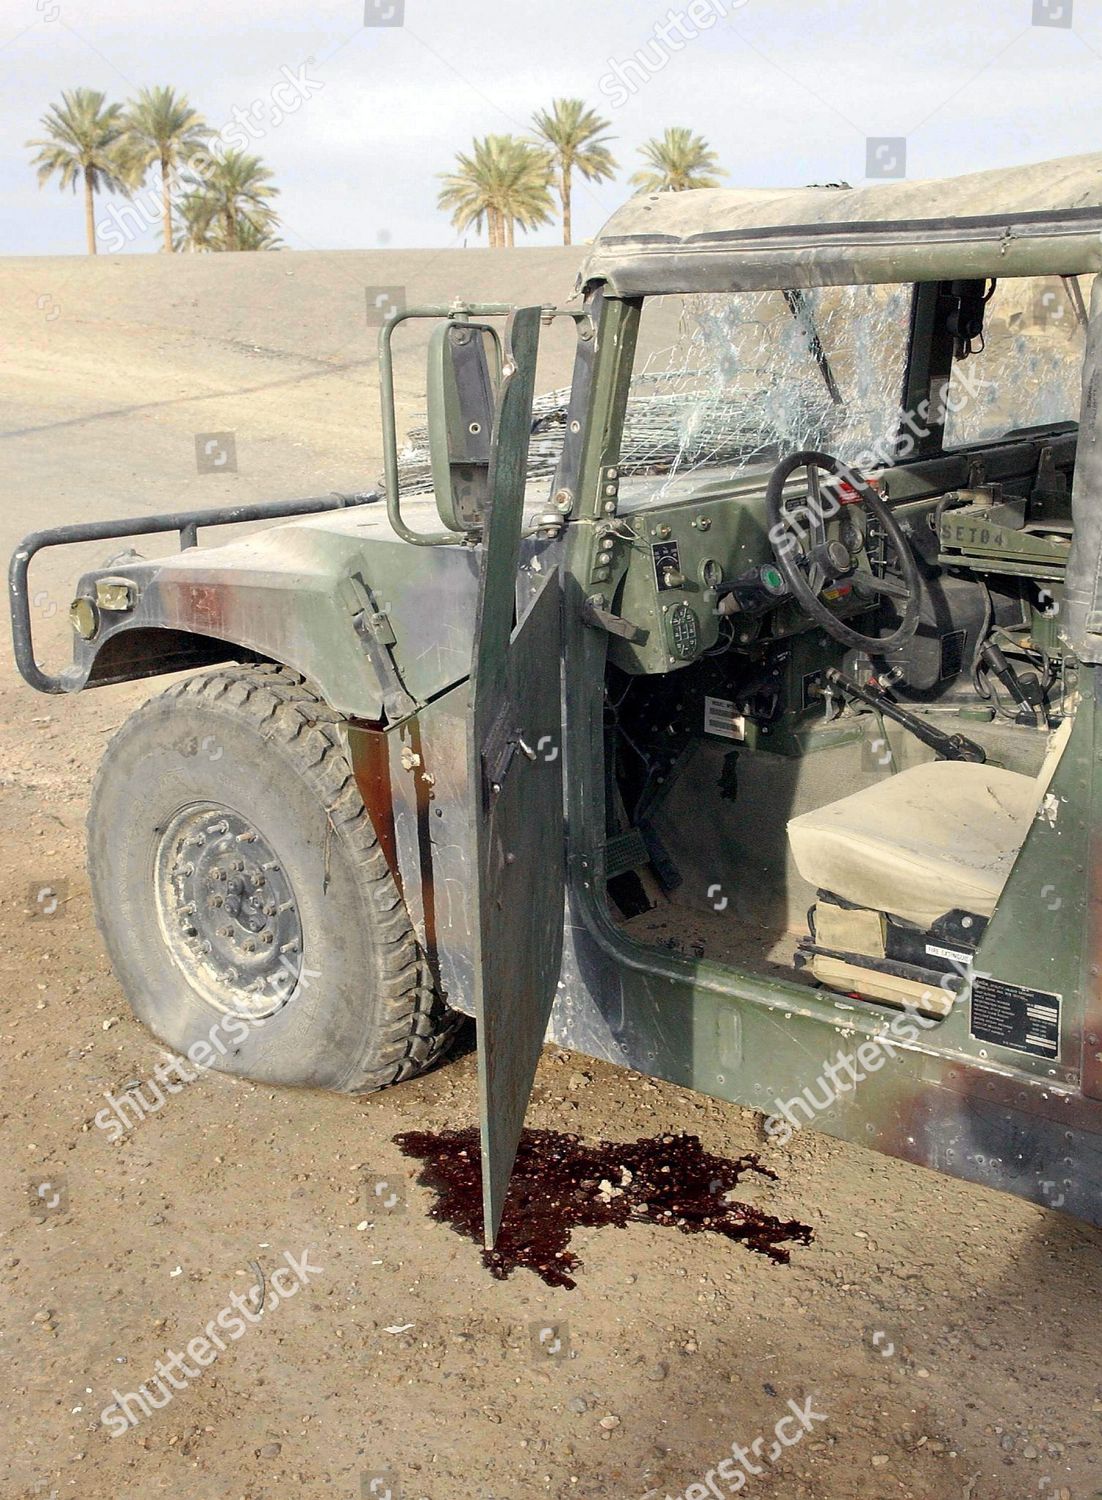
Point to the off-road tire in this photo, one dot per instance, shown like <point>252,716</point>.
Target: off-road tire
<point>360,1010</point>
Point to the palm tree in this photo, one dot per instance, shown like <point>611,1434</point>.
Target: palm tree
<point>87,143</point>
<point>162,127</point>
<point>257,233</point>
<point>680,160</point>
<point>233,189</point>
<point>575,137</point>
<point>202,226</point>
<point>502,183</point>
<point>467,191</point>
<point>195,220</point>
<point>524,179</point>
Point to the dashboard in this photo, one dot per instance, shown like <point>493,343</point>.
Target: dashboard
<point>669,569</point>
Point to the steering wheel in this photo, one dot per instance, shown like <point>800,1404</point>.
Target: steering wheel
<point>825,560</point>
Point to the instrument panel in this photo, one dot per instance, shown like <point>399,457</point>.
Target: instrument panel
<point>674,564</point>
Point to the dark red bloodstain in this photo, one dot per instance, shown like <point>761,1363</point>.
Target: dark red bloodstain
<point>560,1183</point>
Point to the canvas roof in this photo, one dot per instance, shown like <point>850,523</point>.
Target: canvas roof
<point>1044,219</point>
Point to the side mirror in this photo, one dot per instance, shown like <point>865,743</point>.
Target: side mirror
<point>461,390</point>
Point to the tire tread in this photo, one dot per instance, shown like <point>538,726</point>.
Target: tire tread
<point>415,1025</point>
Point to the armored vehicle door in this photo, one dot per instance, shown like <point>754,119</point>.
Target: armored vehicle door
<point>515,738</point>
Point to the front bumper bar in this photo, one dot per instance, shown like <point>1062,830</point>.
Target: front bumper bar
<point>186,522</point>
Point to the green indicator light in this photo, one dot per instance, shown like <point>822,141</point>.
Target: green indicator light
<point>772,579</point>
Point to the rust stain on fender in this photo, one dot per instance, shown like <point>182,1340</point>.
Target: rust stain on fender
<point>369,752</point>
<point>200,605</point>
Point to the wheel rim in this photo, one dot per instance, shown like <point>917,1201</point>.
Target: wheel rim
<point>227,911</point>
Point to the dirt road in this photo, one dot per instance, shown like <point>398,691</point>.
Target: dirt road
<point>933,1341</point>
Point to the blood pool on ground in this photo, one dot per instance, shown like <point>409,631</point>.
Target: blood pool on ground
<point>561,1183</point>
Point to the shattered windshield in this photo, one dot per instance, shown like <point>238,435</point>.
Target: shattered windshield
<point>726,381</point>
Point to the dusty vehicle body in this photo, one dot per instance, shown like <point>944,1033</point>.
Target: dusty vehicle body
<point>550,712</point>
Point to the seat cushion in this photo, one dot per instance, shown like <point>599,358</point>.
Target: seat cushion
<point>938,837</point>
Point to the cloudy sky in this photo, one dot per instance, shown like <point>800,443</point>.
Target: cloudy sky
<point>787,91</point>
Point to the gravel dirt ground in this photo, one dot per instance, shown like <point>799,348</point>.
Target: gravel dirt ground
<point>941,1340</point>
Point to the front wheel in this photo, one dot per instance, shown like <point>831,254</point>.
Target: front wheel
<point>246,906</point>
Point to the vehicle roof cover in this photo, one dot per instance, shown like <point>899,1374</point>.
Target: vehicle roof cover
<point>1038,220</point>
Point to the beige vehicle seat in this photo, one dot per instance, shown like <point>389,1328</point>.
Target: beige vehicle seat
<point>937,838</point>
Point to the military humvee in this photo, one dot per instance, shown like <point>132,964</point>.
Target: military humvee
<point>770,766</point>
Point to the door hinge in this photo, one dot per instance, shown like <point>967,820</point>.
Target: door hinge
<point>596,614</point>
<point>504,742</point>
<point>376,633</point>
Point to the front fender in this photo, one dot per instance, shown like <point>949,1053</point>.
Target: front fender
<point>378,626</point>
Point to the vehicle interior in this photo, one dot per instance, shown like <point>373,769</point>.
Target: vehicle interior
<point>845,695</point>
